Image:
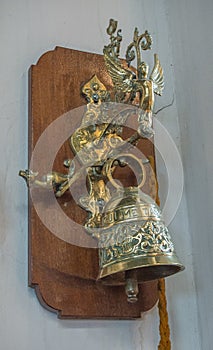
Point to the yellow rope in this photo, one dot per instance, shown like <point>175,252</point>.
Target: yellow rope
<point>165,343</point>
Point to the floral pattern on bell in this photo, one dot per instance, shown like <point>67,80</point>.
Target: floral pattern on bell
<point>134,239</point>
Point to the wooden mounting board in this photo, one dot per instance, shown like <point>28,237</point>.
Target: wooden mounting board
<point>64,275</point>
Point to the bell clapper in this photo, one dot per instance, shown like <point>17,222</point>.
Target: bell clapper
<point>131,286</point>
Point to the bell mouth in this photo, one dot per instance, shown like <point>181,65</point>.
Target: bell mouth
<point>146,269</point>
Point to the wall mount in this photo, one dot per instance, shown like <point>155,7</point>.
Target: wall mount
<point>132,245</point>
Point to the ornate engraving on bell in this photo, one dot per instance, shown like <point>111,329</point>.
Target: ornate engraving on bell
<point>134,236</point>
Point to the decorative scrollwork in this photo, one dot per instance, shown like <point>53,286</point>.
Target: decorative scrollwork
<point>115,41</point>
<point>135,86</point>
<point>140,42</point>
<point>134,239</point>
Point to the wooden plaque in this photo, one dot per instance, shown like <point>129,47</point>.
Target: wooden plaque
<point>63,274</point>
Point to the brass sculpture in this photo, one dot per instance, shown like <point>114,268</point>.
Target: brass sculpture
<point>134,243</point>
<point>130,82</point>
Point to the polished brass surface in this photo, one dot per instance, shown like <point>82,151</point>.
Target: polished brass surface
<point>95,92</point>
<point>134,243</point>
<point>131,286</point>
<point>134,236</point>
<point>131,84</point>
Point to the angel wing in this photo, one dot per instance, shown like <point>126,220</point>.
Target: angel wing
<point>123,79</point>
<point>157,76</point>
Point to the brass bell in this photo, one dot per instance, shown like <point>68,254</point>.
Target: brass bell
<point>134,243</point>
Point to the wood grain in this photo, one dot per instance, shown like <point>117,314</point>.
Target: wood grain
<point>64,275</point>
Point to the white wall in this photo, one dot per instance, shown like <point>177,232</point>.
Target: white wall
<point>191,27</point>
<point>28,29</point>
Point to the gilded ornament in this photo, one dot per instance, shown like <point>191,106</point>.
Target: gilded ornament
<point>134,243</point>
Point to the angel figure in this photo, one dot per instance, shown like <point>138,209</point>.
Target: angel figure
<point>147,86</point>
<point>128,83</point>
